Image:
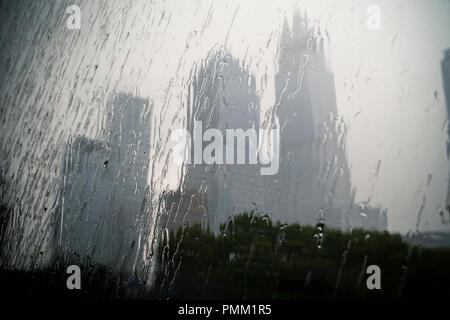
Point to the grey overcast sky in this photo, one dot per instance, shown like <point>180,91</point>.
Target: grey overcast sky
<point>388,80</point>
<point>385,83</point>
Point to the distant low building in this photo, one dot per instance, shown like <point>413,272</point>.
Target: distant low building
<point>429,239</point>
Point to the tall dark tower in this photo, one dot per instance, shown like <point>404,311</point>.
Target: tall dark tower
<point>314,180</point>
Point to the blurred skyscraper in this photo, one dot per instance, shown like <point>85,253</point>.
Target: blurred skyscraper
<point>313,182</point>
<point>104,184</point>
<point>445,64</point>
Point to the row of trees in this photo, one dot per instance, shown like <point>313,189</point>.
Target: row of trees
<point>255,258</point>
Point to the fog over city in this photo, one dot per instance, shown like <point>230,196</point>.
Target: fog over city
<point>356,89</point>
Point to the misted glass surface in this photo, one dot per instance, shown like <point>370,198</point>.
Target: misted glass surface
<point>225,149</point>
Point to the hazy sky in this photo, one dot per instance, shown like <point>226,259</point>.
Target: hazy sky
<point>388,80</point>
<point>390,76</point>
<point>385,82</point>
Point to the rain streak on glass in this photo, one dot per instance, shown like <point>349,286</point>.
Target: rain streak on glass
<point>89,172</point>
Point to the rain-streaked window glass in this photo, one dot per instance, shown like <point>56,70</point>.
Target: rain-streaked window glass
<point>176,150</point>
